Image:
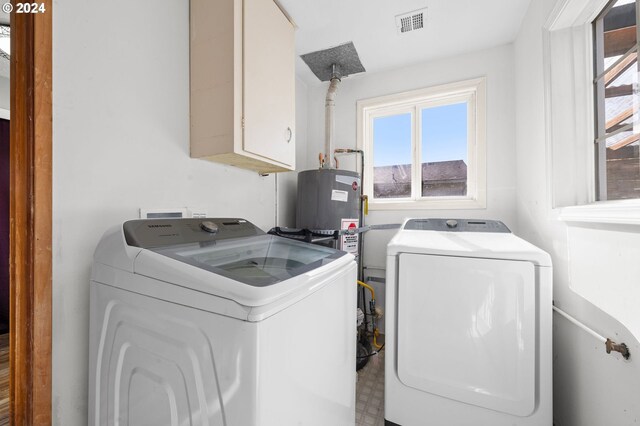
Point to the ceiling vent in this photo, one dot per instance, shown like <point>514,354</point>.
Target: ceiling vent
<point>411,21</point>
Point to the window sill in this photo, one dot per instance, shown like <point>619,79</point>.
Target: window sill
<point>624,212</point>
<point>439,204</point>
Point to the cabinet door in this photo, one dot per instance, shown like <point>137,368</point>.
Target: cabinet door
<point>269,82</point>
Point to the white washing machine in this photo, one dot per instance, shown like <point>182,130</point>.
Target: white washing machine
<point>468,337</point>
<point>213,322</point>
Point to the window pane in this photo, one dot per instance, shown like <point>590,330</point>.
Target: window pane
<point>444,150</point>
<point>619,29</point>
<point>619,35</point>
<point>623,166</point>
<point>616,104</point>
<point>619,99</point>
<point>392,156</point>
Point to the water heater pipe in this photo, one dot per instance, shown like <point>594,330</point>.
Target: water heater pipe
<point>610,345</point>
<point>363,202</point>
<point>329,126</point>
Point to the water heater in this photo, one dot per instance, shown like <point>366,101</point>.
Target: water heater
<point>326,197</point>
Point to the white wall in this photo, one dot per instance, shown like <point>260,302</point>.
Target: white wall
<point>120,142</point>
<point>590,387</point>
<point>4,93</point>
<point>288,182</point>
<point>496,64</point>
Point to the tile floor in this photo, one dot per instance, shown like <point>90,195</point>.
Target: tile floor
<point>370,393</point>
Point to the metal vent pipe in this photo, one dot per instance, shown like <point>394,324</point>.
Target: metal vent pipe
<point>329,113</point>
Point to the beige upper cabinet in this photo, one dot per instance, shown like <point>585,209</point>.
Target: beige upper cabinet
<point>242,84</point>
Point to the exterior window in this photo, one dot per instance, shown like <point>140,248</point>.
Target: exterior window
<point>392,152</point>
<point>616,102</point>
<point>5,43</point>
<point>425,149</point>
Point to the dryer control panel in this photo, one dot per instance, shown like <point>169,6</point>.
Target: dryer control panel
<point>456,225</point>
<point>148,233</point>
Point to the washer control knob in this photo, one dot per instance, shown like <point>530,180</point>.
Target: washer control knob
<point>452,223</point>
<point>209,226</point>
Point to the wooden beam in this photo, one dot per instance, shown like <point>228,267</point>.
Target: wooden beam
<point>617,42</point>
<point>616,91</point>
<point>615,128</point>
<point>624,142</point>
<point>626,152</point>
<point>30,218</point>
<point>619,118</point>
<point>614,72</point>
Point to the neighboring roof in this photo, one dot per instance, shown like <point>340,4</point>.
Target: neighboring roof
<point>454,170</point>
<point>444,170</point>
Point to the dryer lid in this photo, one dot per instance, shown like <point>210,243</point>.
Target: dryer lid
<point>488,240</point>
<point>466,330</point>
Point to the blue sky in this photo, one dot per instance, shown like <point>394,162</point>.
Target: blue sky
<point>392,140</point>
<point>444,136</point>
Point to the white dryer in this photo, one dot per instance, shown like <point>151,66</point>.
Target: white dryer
<point>468,337</point>
<point>213,322</point>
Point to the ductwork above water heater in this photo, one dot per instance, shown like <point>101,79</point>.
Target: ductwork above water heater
<point>329,122</point>
<point>332,65</point>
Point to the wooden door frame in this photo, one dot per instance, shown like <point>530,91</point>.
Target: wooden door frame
<point>30,218</point>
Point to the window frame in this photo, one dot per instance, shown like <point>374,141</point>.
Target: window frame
<point>570,119</point>
<point>473,92</point>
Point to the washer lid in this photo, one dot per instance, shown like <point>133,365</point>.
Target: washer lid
<point>233,248</point>
<point>259,261</point>
<point>481,244</point>
<point>253,272</point>
<point>226,258</point>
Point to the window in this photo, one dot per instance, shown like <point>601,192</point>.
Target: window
<point>617,128</point>
<point>586,184</point>
<point>5,42</point>
<point>425,148</point>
